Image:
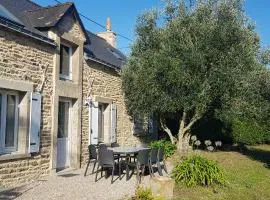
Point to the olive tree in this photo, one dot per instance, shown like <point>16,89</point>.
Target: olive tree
<point>185,60</point>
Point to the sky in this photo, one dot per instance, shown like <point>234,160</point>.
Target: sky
<point>123,14</point>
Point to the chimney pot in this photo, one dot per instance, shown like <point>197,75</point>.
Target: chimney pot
<point>108,24</point>
<point>108,35</point>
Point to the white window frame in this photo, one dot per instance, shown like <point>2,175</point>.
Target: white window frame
<point>3,116</point>
<point>70,51</point>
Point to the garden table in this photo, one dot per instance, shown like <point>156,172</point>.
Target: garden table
<point>126,151</point>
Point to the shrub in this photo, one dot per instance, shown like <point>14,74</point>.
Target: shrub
<point>145,194</point>
<point>196,170</point>
<point>167,145</point>
<point>248,131</point>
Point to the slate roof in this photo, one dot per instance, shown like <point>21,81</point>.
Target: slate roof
<point>8,15</point>
<point>38,20</point>
<point>99,49</point>
<point>46,17</point>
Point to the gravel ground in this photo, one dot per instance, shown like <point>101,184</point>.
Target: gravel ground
<point>71,184</point>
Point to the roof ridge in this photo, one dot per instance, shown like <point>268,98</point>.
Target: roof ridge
<point>30,1</point>
<point>48,7</point>
<point>95,34</point>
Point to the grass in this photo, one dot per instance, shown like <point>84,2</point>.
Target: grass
<point>247,175</point>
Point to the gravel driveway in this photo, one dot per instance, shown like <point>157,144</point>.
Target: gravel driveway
<point>71,184</point>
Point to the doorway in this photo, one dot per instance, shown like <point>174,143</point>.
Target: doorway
<point>64,133</point>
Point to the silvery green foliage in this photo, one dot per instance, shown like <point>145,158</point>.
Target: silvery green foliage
<point>207,142</point>
<point>193,59</point>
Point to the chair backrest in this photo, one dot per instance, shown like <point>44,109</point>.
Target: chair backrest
<point>115,145</point>
<point>160,154</point>
<point>143,157</point>
<point>105,157</point>
<point>153,155</point>
<point>102,146</point>
<point>92,151</point>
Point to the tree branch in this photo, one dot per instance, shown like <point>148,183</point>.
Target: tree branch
<point>192,122</point>
<point>167,130</point>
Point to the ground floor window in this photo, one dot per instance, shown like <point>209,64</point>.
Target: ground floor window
<point>8,121</point>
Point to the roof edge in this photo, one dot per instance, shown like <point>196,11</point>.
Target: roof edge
<point>18,28</point>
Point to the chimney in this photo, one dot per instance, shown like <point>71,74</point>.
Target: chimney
<point>109,35</point>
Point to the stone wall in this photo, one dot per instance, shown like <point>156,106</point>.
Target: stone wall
<point>25,59</point>
<point>69,24</point>
<point>105,82</point>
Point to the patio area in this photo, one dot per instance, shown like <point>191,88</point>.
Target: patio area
<point>71,184</point>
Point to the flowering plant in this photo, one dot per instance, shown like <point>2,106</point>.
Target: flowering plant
<point>207,142</point>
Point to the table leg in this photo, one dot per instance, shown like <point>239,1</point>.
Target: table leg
<point>127,167</point>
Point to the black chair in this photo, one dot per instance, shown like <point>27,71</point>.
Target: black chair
<point>115,145</point>
<point>105,161</point>
<point>117,156</point>
<point>92,156</point>
<point>153,159</point>
<point>161,161</point>
<point>142,162</point>
<point>102,146</point>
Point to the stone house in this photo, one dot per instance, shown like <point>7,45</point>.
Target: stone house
<point>60,90</point>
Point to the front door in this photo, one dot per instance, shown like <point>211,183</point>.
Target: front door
<point>63,134</point>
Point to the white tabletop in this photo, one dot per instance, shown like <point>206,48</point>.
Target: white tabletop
<point>126,150</point>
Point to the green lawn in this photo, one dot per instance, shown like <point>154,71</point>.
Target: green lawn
<point>247,174</point>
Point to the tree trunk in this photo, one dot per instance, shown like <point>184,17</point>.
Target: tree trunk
<point>183,133</point>
<point>183,144</point>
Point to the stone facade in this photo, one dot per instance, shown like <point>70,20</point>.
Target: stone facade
<point>102,81</point>
<point>27,65</point>
<point>26,60</point>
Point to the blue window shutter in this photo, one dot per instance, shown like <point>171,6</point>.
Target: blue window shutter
<point>34,126</point>
<point>113,123</point>
<point>93,139</point>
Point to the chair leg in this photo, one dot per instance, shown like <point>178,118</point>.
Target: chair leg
<point>101,171</point>
<point>165,167</point>
<point>97,173</point>
<point>137,173</point>
<point>142,174</point>
<point>87,167</point>
<point>151,169</point>
<point>94,166</point>
<point>112,174</point>
<point>159,169</point>
<point>119,170</point>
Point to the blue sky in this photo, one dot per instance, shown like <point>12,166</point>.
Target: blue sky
<point>123,14</point>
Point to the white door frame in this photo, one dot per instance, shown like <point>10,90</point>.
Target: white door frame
<point>65,100</point>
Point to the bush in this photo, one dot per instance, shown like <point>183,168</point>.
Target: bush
<point>169,148</point>
<point>145,194</point>
<point>248,131</point>
<point>196,170</point>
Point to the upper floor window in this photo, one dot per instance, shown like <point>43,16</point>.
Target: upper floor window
<point>65,62</point>
<point>8,121</point>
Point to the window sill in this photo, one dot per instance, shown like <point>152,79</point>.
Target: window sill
<point>14,156</point>
<point>65,78</point>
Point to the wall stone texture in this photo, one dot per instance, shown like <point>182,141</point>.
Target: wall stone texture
<point>99,80</point>
<point>28,60</point>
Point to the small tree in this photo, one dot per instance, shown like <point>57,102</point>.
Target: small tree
<point>184,61</point>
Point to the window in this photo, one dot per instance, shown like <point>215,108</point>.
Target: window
<point>8,121</point>
<point>65,62</point>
